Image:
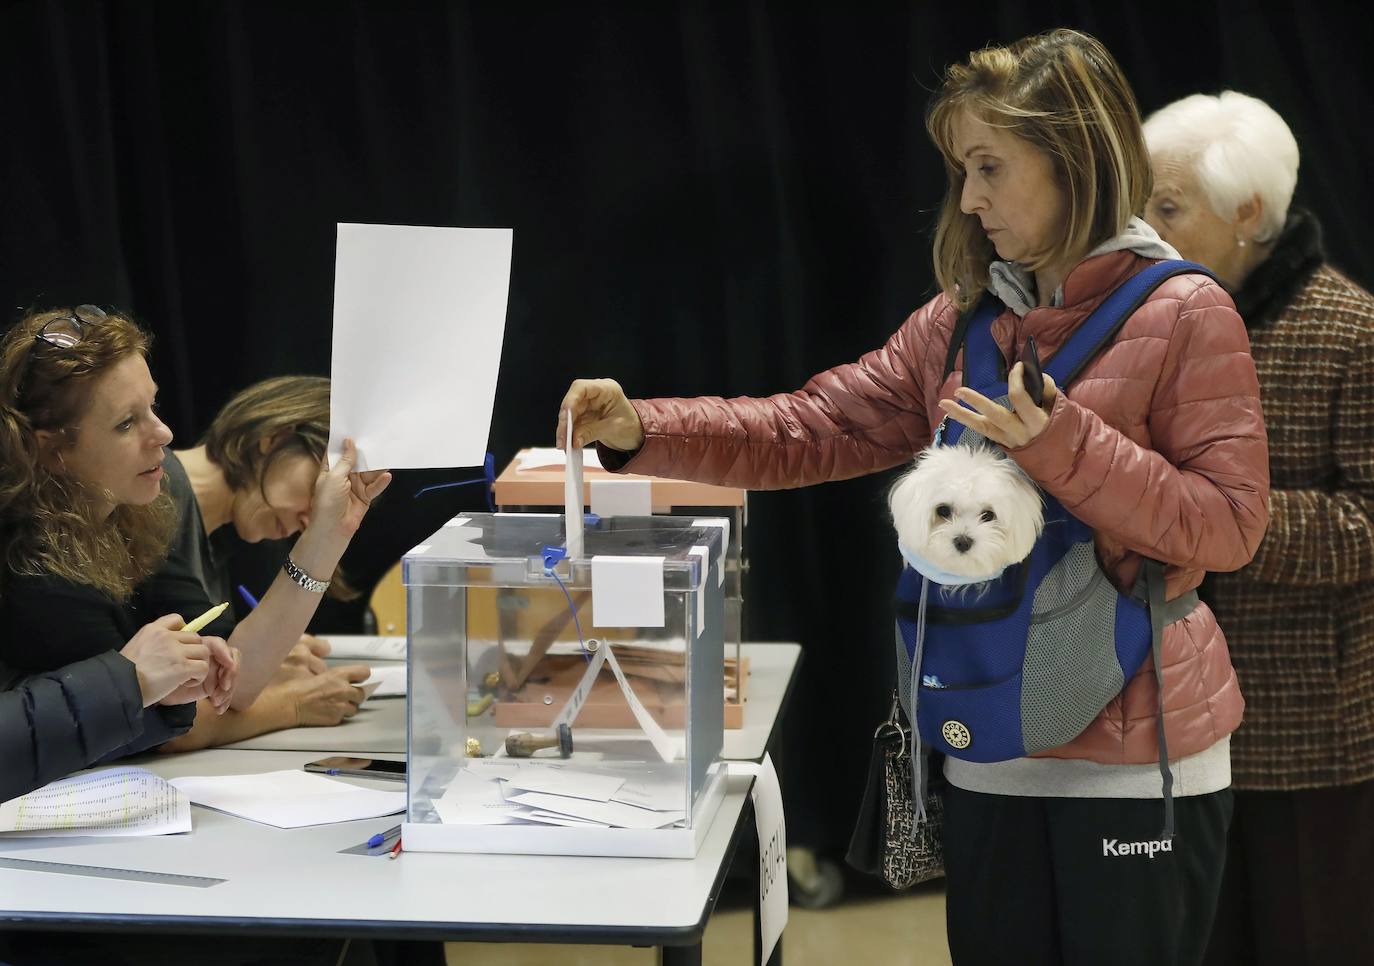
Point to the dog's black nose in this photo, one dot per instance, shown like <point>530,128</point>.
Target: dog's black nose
<point>962,543</point>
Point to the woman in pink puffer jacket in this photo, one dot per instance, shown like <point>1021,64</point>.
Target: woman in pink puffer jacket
<point>1159,446</point>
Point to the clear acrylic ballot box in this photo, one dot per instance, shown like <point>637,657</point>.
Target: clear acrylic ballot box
<point>615,661</point>
<point>533,481</point>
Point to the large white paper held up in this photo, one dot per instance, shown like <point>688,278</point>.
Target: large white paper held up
<point>419,317</point>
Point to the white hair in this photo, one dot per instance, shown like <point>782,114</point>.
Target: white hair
<point>1239,148</point>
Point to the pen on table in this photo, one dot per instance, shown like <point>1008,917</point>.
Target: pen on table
<point>195,625</point>
<point>395,850</point>
<point>248,598</point>
<point>381,837</point>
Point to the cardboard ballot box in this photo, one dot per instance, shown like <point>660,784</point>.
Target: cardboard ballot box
<point>564,706</point>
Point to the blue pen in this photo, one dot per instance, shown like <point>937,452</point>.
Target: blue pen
<point>248,598</point>
<point>381,837</point>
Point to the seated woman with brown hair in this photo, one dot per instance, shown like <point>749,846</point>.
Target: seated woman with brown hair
<point>85,519</point>
<point>252,477</point>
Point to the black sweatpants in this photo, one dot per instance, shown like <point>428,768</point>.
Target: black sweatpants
<point>1081,880</point>
<point>1299,883</point>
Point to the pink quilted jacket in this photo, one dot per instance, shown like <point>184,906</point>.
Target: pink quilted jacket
<point>1159,446</point>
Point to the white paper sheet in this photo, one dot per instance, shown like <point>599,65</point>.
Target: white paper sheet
<point>474,800</point>
<point>772,829</point>
<point>627,591</point>
<point>419,318</point>
<point>622,498</point>
<point>366,647</point>
<point>544,458</point>
<point>572,497</point>
<point>290,798</point>
<point>567,782</point>
<point>659,793</point>
<point>114,801</point>
<point>387,681</point>
<point>611,813</point>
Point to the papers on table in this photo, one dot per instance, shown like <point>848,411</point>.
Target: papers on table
<point>290,798</point>
<point>366,647</point>
<point>504,792</point>
<point>115,801</point>
<point>387,681</point>
<point>419,317</point>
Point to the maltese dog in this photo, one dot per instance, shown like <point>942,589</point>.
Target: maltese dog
<point>965,513</point>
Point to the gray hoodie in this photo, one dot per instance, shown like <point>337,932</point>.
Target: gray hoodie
<point>1016,287</point>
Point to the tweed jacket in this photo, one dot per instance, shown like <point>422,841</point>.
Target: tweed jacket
<point>1159,446</point>
<point>1300,617</point>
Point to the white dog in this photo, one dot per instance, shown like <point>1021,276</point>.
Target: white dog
<point>967,510</point>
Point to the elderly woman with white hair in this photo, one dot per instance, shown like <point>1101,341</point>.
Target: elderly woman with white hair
<point>1299,883</point>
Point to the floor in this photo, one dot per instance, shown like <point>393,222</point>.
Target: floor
<point>873,928</point>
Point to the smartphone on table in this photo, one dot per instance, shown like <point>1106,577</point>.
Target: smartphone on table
<point>359,767</point>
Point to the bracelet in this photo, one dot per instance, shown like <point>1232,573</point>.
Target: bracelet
<point>303,579</point>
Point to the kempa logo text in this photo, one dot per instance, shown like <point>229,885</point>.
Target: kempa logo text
<point>1148,849</point>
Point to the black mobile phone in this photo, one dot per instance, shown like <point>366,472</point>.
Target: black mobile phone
<point>359,767</point>
<point>1031,373</point>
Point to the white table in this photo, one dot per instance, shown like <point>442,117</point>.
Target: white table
<point>298,883</point>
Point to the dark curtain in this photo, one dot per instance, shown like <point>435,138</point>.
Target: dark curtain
<point>707,198</point>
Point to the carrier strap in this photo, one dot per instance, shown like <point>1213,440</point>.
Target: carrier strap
<point>1154,581</point>
<point>1093,334</point>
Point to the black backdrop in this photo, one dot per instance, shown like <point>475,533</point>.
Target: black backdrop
<point>706,197</point>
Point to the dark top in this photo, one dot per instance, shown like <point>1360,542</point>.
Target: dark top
<point>58,722</point>
<point>192,577</point>
<point>48,622</point>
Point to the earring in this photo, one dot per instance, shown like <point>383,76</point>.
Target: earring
<point>1240,242</point>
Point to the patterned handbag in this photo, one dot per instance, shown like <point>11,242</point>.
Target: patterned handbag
<point>887,840</point>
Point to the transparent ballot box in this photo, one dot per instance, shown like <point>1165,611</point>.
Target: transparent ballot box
<point>533,481</point>
<point>567,707</point>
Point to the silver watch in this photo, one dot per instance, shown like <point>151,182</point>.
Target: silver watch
<point>303,579</point>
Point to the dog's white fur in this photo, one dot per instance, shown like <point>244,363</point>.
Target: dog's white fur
<point>969,510</point>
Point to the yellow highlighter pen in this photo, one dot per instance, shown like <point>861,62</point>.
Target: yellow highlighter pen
<point>195,625</point>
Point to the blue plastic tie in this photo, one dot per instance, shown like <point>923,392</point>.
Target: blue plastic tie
<point>552,555</point>
<point>488,477</point>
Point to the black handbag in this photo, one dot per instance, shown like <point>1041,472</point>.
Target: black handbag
<point>883,843</point>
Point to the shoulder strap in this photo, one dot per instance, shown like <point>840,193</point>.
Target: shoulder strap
<point>983,313</point>
<point>1098,330</point>
<point>1093,335</point>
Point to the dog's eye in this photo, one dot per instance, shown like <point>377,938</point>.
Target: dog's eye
<point>943,511</point>
<point>987,516</point>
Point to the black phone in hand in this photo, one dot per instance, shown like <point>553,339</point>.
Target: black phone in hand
<point>1031,374</point>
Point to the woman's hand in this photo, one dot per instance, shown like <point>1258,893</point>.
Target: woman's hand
<point>322,700</point>
<point>306,657</point>
<point>1008,428</point>
<point>341,500</point>
<point>167,659</point>
<point>601,413</point>
<point>218,685</point>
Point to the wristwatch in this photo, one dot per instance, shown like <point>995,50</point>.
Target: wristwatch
<point>303,579</point>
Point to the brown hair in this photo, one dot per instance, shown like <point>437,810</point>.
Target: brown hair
<point>47,520</point>
<point>292,413</point>
<point>1064,93</point>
